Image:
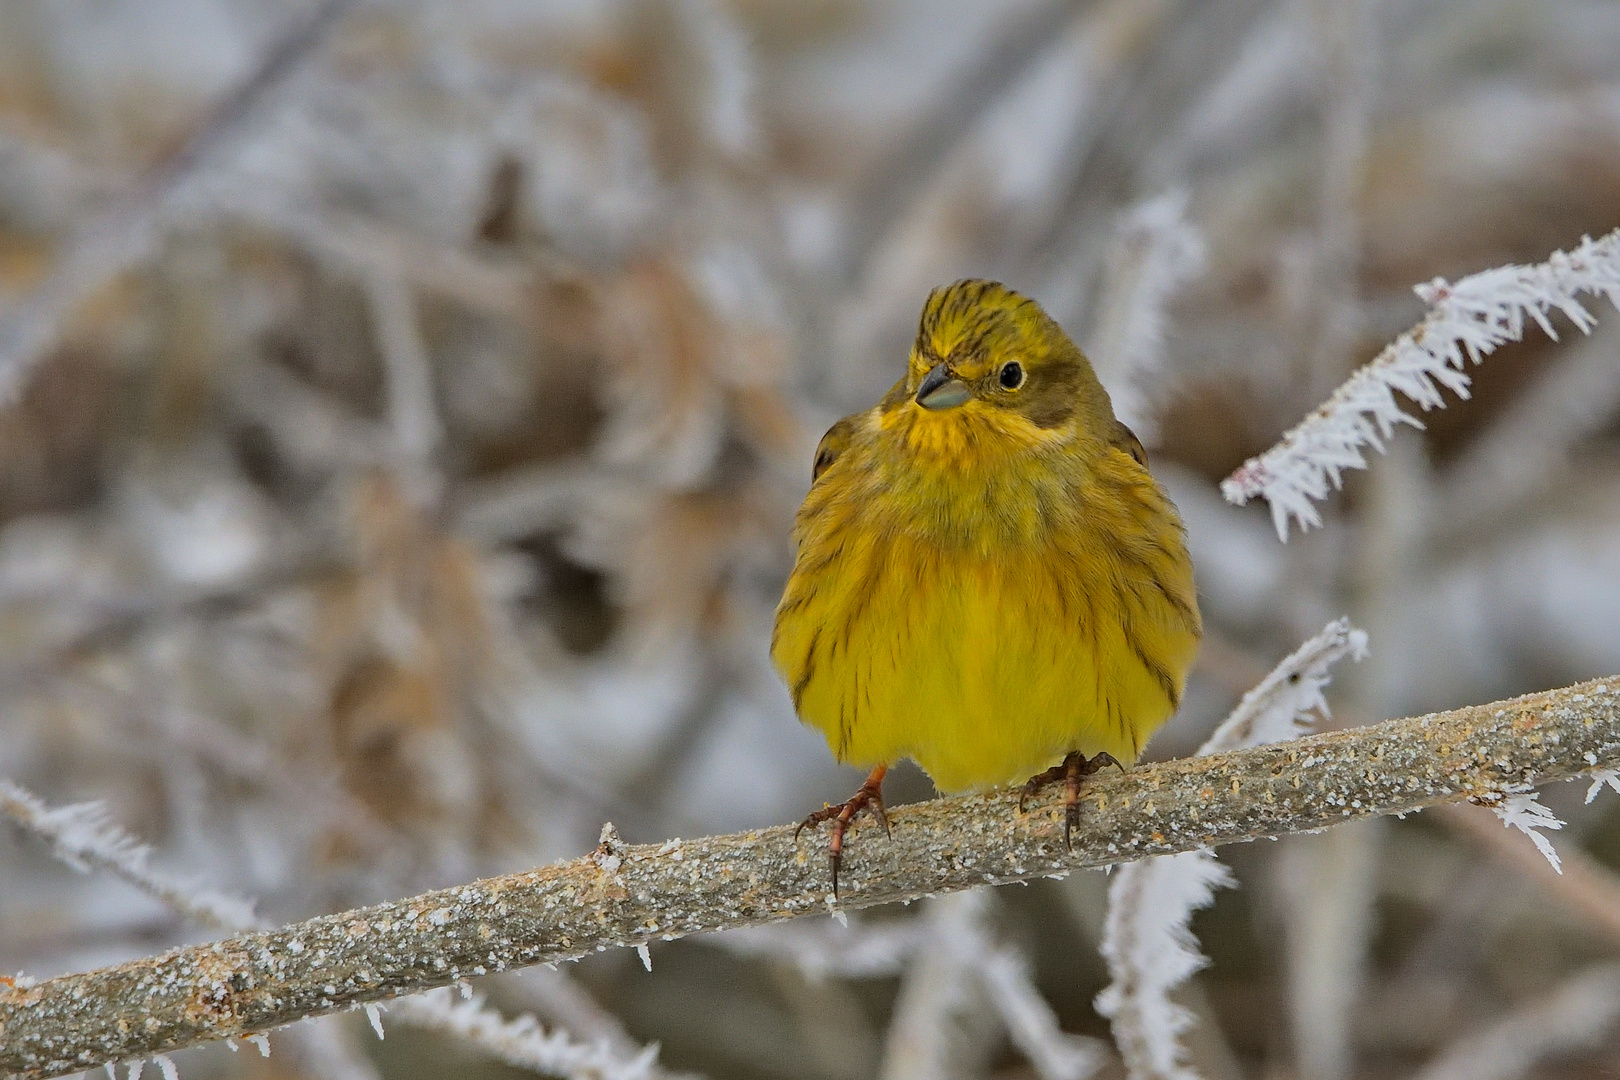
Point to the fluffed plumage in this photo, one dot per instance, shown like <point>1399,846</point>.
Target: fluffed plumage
<point>987,577</point>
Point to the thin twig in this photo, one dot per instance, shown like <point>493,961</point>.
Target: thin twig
<point>620,895</point>
<point>84,835</point>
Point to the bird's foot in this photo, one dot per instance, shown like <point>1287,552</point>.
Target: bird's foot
<point>868,798</point>
<point>1074,768</point>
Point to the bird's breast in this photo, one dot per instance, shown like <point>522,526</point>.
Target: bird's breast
<point>982,629</point>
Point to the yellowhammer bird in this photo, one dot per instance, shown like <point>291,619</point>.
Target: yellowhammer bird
<point>988,580</point>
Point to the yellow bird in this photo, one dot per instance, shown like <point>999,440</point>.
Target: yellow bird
<point>988,580</point>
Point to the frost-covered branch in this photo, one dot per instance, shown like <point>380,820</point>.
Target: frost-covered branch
<point>623,896</point>
<point>1467,321</point>
<point>521,1041</point>
<point>1281,705</point>
<point>1150,951</point>
<point>1147,940</point>
<point>84,836</point>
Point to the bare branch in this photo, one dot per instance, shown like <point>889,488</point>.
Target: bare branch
<point>621,895</point>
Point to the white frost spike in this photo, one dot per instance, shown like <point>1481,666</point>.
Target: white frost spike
<point>645,954</point>
<point>374,1014</point>
<point>522,1041</point>
<point>134,1071</point>
<point>1466,321</point>
<point>1146,940</point>
<point>1600,777</point>
<point>166,1067</point>
<point>262,1041</point>
<point>1524,811</point>
<point>84,835</point>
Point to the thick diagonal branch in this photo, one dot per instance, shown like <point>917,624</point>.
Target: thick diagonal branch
<point>621,895</point>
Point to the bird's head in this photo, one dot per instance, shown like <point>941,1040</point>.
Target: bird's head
<point>988,358</point>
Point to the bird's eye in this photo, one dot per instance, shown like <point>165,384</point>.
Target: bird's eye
<point>1012,375</point>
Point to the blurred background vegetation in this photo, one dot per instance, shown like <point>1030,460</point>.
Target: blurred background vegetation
<point>408,402</point>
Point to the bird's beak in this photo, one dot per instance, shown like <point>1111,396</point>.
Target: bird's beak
<point>940,391</point>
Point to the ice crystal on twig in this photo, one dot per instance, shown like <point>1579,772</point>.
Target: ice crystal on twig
<point>1600,778</point>
<point>1524,811</point>
<point>1466,321</point>
<point>1150,951</point>
<point>1280,706</point>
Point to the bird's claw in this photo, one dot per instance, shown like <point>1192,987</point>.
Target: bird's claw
<point>868,798</point>
<point>1072,770</point>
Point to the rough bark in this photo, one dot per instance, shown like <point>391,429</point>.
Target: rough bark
<point>621,895</point>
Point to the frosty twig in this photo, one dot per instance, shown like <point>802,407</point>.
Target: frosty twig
<point>621,895</point>
<point>83,835</point>
<point>1466,321</point>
